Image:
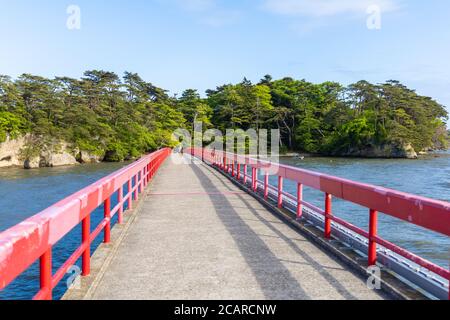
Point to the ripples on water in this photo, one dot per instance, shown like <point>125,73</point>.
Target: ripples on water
<point>26,192</point>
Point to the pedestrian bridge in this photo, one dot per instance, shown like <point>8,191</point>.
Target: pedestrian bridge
<point>210,229</point>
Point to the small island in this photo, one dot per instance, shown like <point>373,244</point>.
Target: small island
<point>103,117</point>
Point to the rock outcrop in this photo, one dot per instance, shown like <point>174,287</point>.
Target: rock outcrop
<point>389,151</point>
<point>16,152</point>
<point>10,152</point>
<point>86,157</point>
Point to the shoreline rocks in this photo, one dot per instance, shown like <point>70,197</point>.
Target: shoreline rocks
<point>86,157</point>
<point>386,151</point>
<point>25,152</point>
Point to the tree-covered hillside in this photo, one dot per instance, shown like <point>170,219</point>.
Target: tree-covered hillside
<point>121,118</point>
<point>100,113</point>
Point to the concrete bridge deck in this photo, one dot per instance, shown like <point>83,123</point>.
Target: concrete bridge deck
<point>196,235</point>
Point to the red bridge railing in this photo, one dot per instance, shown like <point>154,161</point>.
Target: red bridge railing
<point>431,214</point>
<point>34,238</point>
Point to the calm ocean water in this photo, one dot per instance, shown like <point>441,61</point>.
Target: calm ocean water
<point>24,193</point>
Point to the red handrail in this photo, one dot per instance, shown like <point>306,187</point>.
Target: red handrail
<point>34,238</point>
<point>428,213</point>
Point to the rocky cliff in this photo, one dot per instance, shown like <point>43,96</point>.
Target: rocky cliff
<point>27,153</point>
<point>389,151</point>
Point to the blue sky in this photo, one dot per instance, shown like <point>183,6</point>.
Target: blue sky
<point>179,44</point>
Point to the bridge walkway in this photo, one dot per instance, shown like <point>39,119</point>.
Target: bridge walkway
<point>198,236</point>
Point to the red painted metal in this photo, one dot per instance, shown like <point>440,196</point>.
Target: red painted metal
<point>245,174</point>
<point>32,240</point>
<point>280,192</point>
<point>428,213</point>
<point>119,201</point>
<point>107,216</point>
<point>85,240</point>
<point>254,179</point>
<point>373,224</point>
<point>328,213</point>
<point>45,265</point>
<point>266,186</point>
<point>299,200</point>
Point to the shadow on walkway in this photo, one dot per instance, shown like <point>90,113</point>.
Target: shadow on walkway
<point>247,240</point>
<point>273,277</point>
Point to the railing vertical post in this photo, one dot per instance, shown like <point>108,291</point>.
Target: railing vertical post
<point>130,195</point>
<point>373,230</point>
<point>328,213</point>
<point>266,186</point>
<point>245,173</point>
<point>152,169</point>
<point>45,265</point>
<point>239,171</point>
<point>145,176</point>
<point>85,238</point>
<point>299,200</point>
<point>136,186</point>
<point>254,179</point>
<point>107,215</point>
<point>232,169</point>
<point>280,192</point>
<point>120,200</point>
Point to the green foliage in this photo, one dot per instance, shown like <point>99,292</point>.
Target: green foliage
<point>11,124</point>
<point>122,118</point>
<point>100,113</point>
<point>328,118</point>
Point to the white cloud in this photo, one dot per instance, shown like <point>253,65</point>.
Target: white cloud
<point>322,8</point>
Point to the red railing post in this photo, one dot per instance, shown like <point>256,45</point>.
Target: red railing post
<point>299,200</point>
<point>280,192</point>
<point>144,178</point>
<point>119,200</point>
<point>45,265</point>
<point>373,228</point>
<point>136,186</point>
<point>245,174</point>
<point>130,195</point>
<point>328,213</point>
<point>233,174</point>
<point>239,171</point>
<point>107,215</point>
<point>152,169</point>
<point>254,179</point>
<point>266,186</point>
<point>85,238</point>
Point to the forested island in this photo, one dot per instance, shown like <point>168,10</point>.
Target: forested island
<point>105,117</point>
